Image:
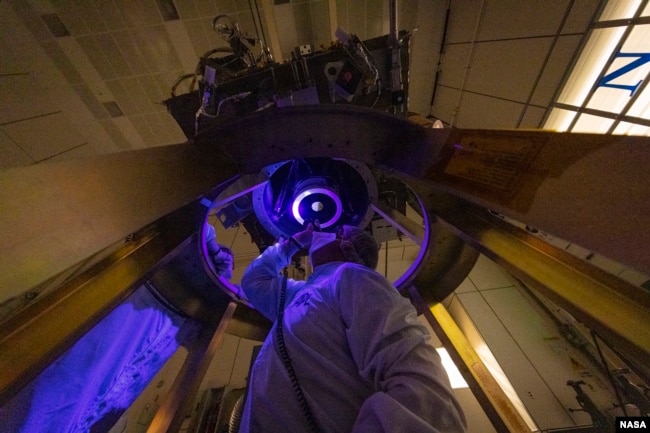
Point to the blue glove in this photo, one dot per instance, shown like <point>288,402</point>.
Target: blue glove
<point>224,262</point>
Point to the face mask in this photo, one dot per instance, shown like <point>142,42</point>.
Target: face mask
<point>319,240</point>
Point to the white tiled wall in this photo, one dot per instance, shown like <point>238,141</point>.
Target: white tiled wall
<point>495,312</point>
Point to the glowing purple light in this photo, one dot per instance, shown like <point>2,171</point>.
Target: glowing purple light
<point>295,207</point>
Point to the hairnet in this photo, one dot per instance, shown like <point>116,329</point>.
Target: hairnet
<point>359,246</point>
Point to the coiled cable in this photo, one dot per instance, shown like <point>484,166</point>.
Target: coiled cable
<point>286,359</point>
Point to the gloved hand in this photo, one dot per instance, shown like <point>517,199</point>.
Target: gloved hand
<point>223,262</point>
<point>304,237</point>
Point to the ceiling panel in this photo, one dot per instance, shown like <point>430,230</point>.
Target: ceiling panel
<point>83,64</point>
<point>454,65</point>
<point>182,44</point>
<point>71,17</point>
<point>45,136</point>
<point>507,69</point>
<point>445,103</point>
<point>21,98</point>
<point>156,47</point>
<point>463,19</point>
<point>551,78</point>
<point>580,16</point>
<point>479,111</point>
<point>532,118</point>
<point>101,63</point>
<point>533,18</point>
<point>125,55</point>
<point>11,155</point>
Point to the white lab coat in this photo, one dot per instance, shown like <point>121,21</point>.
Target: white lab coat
<point>360,355</point>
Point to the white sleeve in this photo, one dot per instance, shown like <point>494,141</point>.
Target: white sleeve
<point>262,281</point>
<point>391,351</point>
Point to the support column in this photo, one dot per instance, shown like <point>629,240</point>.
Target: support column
<point>180,398</point>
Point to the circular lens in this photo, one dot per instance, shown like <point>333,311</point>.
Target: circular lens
<point>320,204</point>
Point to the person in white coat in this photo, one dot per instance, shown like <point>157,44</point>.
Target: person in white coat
<point>349,354</point>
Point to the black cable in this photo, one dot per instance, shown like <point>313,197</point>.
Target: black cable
<point>594,336</point>
<point>286,359</point>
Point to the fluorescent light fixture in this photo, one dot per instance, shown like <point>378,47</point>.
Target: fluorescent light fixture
<point>455,377</point>
<point>606,76</point>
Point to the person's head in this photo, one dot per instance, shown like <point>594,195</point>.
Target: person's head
<point>350,244</point>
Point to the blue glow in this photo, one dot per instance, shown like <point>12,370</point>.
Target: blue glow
<point>102,374</point>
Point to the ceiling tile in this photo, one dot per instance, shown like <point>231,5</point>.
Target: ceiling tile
<point>156,47</point>
<point>56,26</point>
<point>32,20</point>
<point>69,14</point>
<point>11,155</point>
<point>580,16</point>
<point>508,19</point>
<point>165,82</point>
<point>62,62</point>
<point>466,286</point>
<point>45,136</point>
<point>126,127</point>
<point>143,129</point>
<point>91,16</point>
<point>91,47</point>
<point>445,104</point>
<point>155,97</point>
<point>130,12</point>
<point>532,118</point>
<point>21,97</point>
<point>453,65</point>
<point>183,45</point>
<point>488,275</point>
<point>110,14</point>
<point>78,58</point>
<point>137,95</point>
<point>149,12</point>
<point>563,51</point>
<point>463,18</point>
<point>478,111</point>
<point>93,104</point>
<point>173,130</point>
<point>131,51</point>
<point>114,55</point>
<point>407,14</point>
<point>113,109</point>
<point>197,36</point>
<point>122,97</point>
<point>157,128</point>
<point>207,8</point>
<point>168,10</point>
<point>116,135</point>
<point>186,9</point>
<point>229,6</point>
<point>507,69</point>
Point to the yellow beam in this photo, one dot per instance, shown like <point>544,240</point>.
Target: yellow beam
<point>618,311</point>
<point>496,404</point>
<point>180,398</point>
<point>36,336</point>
